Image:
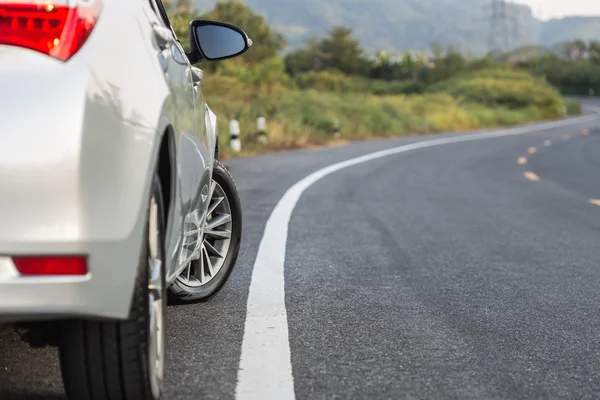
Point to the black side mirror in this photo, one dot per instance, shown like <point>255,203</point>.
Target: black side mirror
<point>214,41</point>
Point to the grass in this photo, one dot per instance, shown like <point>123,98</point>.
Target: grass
<point>309,117</point>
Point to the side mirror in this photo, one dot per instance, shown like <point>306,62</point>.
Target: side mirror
<point>213,41</point>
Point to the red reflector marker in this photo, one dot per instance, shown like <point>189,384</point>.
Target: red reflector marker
<point>50,266</point>
<point>53,28</point>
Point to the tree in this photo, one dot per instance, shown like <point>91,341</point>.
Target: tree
<point>594,49</point>
<point>384,68</point>
<point>342,51</point>
<point>437,50</point>
<point>574,50</point>
<point>448,65</point>
<point>338,51</point>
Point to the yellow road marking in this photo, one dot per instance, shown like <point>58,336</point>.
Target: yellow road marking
<point>532,150</point>
<point>595,202</point>
<point>585,132</point>
<point>522,160</point>
<point>531,176</point>
<point>567,137</point>
<point>547,143</point>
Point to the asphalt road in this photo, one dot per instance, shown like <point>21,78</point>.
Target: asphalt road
<point>465,270</point>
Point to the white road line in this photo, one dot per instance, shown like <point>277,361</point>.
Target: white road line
<point>265,370</point>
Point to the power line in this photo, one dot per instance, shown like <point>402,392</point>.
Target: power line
<point>505,26</point>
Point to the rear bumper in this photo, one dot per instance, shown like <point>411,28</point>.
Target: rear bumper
<point>104,293</point>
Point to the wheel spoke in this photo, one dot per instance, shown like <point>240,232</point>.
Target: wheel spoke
<point>212,250</point>
<point>195,255</point>
<point>215,204</point>
<point>218,221</point>
<point>213,185</point>
<point>189,271</point>
<point>201,277</point>
<point>218,234</point>
<point>191,232</point>
<point>209,263</point>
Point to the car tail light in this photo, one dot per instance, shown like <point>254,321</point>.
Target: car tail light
<point>51,266</point>
<point>57,28</point>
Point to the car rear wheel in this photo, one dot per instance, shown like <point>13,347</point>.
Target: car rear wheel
<point>123,360</point>
<point>208,272</point>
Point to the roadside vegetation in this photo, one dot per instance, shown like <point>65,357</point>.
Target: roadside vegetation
<point>332,92</point>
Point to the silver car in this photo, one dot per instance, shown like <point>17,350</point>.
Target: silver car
<point>112,195</point>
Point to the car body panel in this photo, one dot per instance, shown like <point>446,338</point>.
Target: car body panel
<point>78,149</point>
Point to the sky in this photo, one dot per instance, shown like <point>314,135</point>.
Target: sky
<point>547,9</point>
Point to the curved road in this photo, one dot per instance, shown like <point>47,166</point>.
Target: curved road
<point>463,270</point>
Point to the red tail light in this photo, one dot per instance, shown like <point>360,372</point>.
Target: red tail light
<point>54,27</point>
<point>51,266</point>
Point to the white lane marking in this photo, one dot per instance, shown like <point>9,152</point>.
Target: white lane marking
<point>265,370</point>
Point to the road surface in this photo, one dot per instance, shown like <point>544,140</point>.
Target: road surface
<point>467,269</point>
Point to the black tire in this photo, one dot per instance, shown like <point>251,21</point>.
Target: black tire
<point>109,360</point>
<point>181,293</point>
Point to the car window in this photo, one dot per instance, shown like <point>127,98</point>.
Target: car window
<point>178,54</point>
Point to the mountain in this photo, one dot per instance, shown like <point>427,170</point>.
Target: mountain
<point>562,30</point>
<point>414,24</point>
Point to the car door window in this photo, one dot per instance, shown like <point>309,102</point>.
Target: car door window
<point>178,54</point>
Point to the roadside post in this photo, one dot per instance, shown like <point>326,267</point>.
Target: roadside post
<point>234,133</point>
<point>336,129</point>
<point>261,126</point>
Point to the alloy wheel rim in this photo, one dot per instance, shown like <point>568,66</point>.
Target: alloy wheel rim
<point>156,332</point>
<point>210,256</point>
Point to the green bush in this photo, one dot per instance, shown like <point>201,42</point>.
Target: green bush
<point>379,87</point>
<point>510,89</point>
<point>365,109</point>
<point>331,81</point>
<point>573,107</point>
<point>335,81</point>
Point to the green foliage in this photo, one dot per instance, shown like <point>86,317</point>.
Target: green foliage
<point>505,88</point>
<point>576,71</point>
<point>448,65</point>
<point>335,81</point>
<point>331,84</point>
<point>303,118</point>
<point>264,78</point>
<point>573,107</point>
<point>340,50</point>
<point>331,80</point>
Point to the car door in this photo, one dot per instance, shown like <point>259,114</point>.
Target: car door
<point>185,110</point>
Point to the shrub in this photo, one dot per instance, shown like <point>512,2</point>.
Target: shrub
<point>505,88</point>
<point>364,109</point>
<point>573,107</point>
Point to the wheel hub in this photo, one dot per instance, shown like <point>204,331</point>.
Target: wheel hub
<point>208,243</point>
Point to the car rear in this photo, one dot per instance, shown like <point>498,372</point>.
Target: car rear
<point>73,167</point>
